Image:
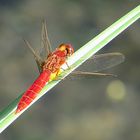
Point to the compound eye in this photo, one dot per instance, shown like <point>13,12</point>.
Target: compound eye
<point>69,49</point>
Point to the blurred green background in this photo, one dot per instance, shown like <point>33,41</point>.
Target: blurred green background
<point>92,109</point>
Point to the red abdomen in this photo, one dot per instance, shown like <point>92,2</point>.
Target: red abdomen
<point>33,90</point>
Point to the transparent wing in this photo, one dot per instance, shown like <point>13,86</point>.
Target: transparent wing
<point>97,63</point>
<point>45,50</point>
<point>79,75</point>
<point>103,61</point>
<point>45,43</point>
<point>37,57</point>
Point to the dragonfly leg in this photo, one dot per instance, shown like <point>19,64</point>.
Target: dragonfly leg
<point>67,65</point>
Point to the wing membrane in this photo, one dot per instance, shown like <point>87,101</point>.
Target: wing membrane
<point>45,39</point>
<point>104,61</point>
<point>37,57</point>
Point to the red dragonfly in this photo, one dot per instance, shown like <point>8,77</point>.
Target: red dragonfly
<point>50,66</point>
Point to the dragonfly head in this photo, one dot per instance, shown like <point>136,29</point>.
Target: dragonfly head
<point>67,48</point>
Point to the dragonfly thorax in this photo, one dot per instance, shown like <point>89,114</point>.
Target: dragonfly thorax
<point>53,63</point>
<point>57,58</point>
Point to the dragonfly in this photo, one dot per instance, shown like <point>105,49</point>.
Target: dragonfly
<point>50,66</point>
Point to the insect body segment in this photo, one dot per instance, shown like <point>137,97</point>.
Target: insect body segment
<point>33,90</point>
<point>50,70</point>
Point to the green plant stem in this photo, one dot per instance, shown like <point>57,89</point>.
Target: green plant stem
<point>7,116</point>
